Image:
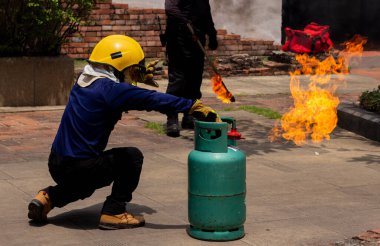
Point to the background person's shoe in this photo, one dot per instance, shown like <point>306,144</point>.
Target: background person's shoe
<point>39,207</point>
<point>187,122</point>
<point>120,221</point>
<point>172,126</point>
<point>172,130</point>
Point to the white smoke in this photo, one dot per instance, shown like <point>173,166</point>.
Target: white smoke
<point>259,19</point>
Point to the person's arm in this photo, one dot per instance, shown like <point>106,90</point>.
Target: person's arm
<point>128,97</point>
<point>210,28</point>
<point>124,97</point>
<point>173,11</point>
<point>211,31</point>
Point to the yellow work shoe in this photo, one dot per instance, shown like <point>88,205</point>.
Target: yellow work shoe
<point>39,207</point>
<point>120,221</point>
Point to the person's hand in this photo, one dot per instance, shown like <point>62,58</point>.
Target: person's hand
<point>204,113</point>
<point>212,42</point>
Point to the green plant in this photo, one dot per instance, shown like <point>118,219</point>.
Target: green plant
<point>156,127</point>
<point>370,100</point>
<point>39,27</point>
<point>266,112</point>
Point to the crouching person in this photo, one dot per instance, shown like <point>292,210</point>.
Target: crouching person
<point>78,162</point>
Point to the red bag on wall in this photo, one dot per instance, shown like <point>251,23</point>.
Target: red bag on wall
<point>314,38</point>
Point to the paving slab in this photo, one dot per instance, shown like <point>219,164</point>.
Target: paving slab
<point>315,194</point>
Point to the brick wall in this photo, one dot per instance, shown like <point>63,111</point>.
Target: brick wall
<point>142,25</point>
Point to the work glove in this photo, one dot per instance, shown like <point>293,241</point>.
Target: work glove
<point>212,42</point>
<point>204,113</point>
<point>148,76</point>
<point>136,74</point>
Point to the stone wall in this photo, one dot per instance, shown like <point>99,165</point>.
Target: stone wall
<point>142,25</point>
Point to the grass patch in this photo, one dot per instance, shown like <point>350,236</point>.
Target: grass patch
<point>266,112</point>
<point>229,109</point>
<point>156,127</point>
<point>241,94</point>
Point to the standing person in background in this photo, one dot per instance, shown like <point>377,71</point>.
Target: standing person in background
<point>185,58</point>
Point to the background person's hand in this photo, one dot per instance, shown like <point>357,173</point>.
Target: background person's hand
<point>136,74</point>
<point>148,76</point>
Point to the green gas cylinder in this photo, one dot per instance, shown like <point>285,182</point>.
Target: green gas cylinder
<point>216,184</point>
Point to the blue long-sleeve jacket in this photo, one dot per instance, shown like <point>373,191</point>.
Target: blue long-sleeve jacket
<point>93,111</point>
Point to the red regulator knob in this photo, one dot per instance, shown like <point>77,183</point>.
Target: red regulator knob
<point>234,134</point>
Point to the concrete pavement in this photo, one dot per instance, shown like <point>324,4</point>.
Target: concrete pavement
<point>315,194</point>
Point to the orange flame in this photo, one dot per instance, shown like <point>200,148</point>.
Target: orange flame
<point>314,113</point>
<point>220,90</point>
<point>354,47</point>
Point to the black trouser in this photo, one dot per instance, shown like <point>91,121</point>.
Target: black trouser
<point>185,63</point>
<point>79,178</point>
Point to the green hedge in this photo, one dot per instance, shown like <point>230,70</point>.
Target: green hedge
<point>370,100</point>
<point>39,27</point>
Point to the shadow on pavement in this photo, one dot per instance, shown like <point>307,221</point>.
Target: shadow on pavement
<point>167,227</point>
<point>368,158</point>
<point>88,218</point>
<point>256,148</point>
<point>256,139</point>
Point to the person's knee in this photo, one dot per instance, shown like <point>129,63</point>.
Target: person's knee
<point>131,155</point>
<point>125,158</point>
<point>135,156</point>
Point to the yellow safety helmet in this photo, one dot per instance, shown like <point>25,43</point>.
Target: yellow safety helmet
<point>118,51</point>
